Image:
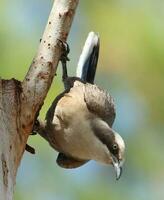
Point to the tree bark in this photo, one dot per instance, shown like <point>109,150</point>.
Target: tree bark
<point>20,101</point>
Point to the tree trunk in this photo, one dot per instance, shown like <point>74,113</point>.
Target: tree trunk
<point>20,101</point>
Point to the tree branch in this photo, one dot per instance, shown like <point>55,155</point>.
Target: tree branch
<point>42,70</point>
<point>19,102</point>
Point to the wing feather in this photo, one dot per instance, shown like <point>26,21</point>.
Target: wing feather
<point>100,103</point>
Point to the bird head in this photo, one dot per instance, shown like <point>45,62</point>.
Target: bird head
<point>111,144</point>
<point>117,149</point>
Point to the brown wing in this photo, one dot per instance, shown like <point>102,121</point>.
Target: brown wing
<point>100,103</point>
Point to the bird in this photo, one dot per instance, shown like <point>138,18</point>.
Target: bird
<point>78,124</point>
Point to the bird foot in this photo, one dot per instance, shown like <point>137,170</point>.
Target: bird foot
<point>30,149</point>
<point>65,51</point>
<point>64,58</point>
<point>34,132</point>
<point>35,127</point>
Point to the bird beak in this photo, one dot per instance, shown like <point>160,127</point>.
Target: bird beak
<point>117,166</point>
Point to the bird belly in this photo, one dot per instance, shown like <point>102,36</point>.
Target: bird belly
<point>74,138</point>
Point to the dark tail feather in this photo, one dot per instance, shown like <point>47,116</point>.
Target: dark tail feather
<point>87,64</point>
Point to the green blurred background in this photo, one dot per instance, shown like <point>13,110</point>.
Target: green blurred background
<point>130,67</point>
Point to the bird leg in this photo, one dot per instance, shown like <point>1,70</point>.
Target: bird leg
<point>64,58</point>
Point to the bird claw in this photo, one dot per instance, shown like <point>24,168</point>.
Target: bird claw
<point>30,149</point>
<point>33,133</point>
<point>34,130</point>
<point>65,51</point>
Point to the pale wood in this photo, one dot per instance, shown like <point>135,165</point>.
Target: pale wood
<point>20,101</point>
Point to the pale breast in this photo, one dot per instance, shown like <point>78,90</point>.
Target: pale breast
<point>74,133</point>
<point>72,103</point>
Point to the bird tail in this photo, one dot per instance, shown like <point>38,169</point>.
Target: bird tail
<point>87,64</point>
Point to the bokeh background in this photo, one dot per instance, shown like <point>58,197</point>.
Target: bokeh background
<point>131,68</point>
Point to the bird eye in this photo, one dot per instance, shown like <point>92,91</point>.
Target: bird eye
<point>115,147</point>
